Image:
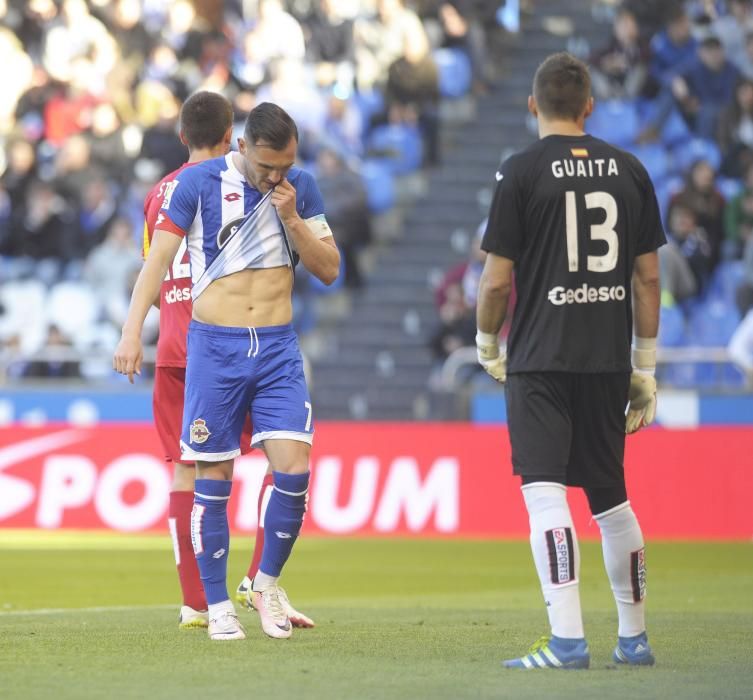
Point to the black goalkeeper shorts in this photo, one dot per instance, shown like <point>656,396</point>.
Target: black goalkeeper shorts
<point>568,427</point>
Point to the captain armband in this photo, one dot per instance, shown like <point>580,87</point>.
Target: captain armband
<point>318,226</point>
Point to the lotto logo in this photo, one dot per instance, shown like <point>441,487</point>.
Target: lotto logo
<point>232,197</point>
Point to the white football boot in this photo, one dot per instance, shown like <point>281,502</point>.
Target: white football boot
<point>192,619</point>
<point>274,619</point>
<point>226,626</point>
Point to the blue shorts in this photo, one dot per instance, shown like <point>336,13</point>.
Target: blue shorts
<point>232,372</point>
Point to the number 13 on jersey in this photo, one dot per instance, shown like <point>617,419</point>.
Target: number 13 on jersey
<point>601,232</point>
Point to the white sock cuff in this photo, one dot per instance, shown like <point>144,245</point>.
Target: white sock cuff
<point>541,485</point>
<point>612,511</point>
<point>262,581</point>
<point>217,609</point>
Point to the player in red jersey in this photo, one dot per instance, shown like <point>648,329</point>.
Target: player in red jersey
<point>206,122</point>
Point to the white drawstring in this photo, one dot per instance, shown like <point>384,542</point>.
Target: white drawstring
<point>254,347</point>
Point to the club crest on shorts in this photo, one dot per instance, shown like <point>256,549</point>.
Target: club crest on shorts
<point>199,431</point>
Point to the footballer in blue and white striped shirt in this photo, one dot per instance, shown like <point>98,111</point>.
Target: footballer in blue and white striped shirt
<point>247,218</point>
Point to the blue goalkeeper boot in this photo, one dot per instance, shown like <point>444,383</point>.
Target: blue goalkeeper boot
<point>554,653</point>
<point>634,651</point>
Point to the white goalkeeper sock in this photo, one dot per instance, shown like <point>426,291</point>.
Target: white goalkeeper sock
<point>624,560</point>
<point>556,555</point>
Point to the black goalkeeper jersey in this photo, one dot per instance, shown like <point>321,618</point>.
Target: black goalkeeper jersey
<point>572,212</point>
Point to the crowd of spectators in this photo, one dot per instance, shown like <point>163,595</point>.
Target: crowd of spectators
<point>673,83</point>
<point>88,122</point>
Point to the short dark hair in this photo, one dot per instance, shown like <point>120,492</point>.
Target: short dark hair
<point>562,86</point>
<point>205,118</point>
<point>711,42</point>
<point>271,124</point>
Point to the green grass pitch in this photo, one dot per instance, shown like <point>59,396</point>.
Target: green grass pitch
<point>94,616</point>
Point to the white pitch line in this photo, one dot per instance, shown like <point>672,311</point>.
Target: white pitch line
<point>113,608</point>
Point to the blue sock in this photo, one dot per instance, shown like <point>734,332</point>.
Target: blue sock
<point>282,521</point>
<point>211,536</point>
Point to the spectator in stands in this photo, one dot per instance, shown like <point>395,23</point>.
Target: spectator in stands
<point>738,218</point>
<point>55,367</point>
<point>674,48</point>
<point>620,69</point>
<point>461,29</point>
<point>651,15</point>
<point>275,34</point>
<point>343,127</point>
<point>110,265</point>
<point>15,81</point>
<point>46,229</point>
<point>732,29</point>
<point>347,210</point>
<point>96,213</point>
<point>379,41</point>
<point>692,242</point>
<point>108,144</point>
<point>20,172</point>
<point>702,196</point>
<point>133,39</point>
<point>329,43</point>
<point>77,36</point>
<point>677,279</point>
<point>292,89</point>
<point>746,64</point>
<point>412,93</point>
<point>161,142</point>
<point>705,88</point>
<point>736,131</point>
<point>455,300</point>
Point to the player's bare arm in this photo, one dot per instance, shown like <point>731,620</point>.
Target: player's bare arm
<point>646,300</point>
<point>318,255</point>
<point>646,295</point>
<point>493,298</point>
<point>129,353</point>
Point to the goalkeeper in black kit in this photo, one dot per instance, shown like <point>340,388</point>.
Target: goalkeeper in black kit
<point>577,221</point>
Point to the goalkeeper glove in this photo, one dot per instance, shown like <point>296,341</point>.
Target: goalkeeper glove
<point>642,393</point>
<point>489,356</point>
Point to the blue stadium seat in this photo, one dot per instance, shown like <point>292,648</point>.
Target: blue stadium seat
<point>729,186</point>
<point>688,152</point>
<point>727,277</point>
<point>380,185</point>
<point>616,121</point>
<point>674,130</point>
<point>654,158</point>
<point>455,72</point>
<point>370,104</point>
<point>398,145</point>
<point>664,190</point>
<point>671,327</point>
<point>713,323</point>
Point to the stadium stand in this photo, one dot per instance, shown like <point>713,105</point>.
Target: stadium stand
<point>419,101</point>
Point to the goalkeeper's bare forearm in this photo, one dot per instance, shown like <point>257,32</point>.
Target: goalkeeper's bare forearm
<point>646,295</point>
<point>494,291</point>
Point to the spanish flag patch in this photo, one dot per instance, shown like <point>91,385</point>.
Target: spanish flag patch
<point>579,152</point>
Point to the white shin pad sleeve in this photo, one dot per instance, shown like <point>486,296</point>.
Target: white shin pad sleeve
<point>556,555</point>
<point>624,560</point>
